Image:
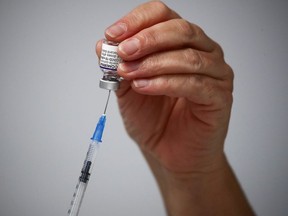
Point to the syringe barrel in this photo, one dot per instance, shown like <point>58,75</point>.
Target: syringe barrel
<point>83,179</point>
<point>77,198</point>
<point>87,168</point>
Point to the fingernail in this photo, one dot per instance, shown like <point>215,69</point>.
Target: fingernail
<point>141,83</point>
<point>128,67</point>
<point>130,46</point>
<point>116,30</point>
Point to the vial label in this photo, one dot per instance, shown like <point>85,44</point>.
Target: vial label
<point>109,59</point>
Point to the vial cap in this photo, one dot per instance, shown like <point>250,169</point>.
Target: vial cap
<point>109,84</point>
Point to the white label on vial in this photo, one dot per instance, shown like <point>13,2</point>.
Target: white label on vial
<point>109,58</point>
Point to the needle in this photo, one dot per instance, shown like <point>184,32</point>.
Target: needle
<point>107,102</point>
<point>88,164</point>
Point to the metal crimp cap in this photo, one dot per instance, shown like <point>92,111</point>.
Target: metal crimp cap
<point>109,84</point>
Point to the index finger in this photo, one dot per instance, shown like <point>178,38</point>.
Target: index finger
<point>143,16</point>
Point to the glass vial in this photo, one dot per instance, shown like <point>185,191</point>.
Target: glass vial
<point>109,61</point>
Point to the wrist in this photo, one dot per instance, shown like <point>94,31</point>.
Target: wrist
<point>197,182</point>
<point>208,192</point>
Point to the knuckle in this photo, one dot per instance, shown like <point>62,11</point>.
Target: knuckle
<point>220,95</point>
<point>167,84</point>
<point>185,27</point>
<point>151,64</point>
<point>215,95</point>
<point>207,86</point>
<point>189,30</point>
<point>133,19</point>
<point>149,39</point>
<point>193,58</point>
<point>164,82</point>
<point>229,75</point>
<point>224,99</point>
<point>229,71</point>
<point>129,19</point>
<point>140,16</point>
<point>161,7</point>
<point>218,49</point>
<point>197,30</point>
<point>226,70</point>
<point>204,90</point>
<point>196,81</point>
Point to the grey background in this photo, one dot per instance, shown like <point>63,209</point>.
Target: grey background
<point>50,102</point>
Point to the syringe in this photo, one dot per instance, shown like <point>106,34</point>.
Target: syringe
<point>88,164</point>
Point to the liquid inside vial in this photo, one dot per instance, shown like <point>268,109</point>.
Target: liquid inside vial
<point>109,61</point>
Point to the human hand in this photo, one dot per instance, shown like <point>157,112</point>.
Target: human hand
<point>175,101</point>
<point>176,95</point>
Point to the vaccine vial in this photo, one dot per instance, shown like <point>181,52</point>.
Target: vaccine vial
<point>109,61</point>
